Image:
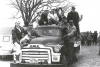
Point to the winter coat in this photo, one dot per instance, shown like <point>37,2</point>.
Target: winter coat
<point>17,35</point>
<point>73,16</point>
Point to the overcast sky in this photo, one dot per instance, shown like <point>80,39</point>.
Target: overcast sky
<point>90,9</point>
<point>91,14</point>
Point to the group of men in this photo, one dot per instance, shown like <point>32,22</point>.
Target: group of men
<point>71,34</point>
<point>48,17</point>
<point>57,16</point>
<point>21,37</point>
<point>89,38</point>
<point>70,31</point>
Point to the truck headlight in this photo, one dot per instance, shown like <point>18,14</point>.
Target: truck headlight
<point>57,48</point>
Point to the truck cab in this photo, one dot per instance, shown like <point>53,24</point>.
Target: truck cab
<point>45,49</point>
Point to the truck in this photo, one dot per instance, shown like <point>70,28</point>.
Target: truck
<point>43,50</point>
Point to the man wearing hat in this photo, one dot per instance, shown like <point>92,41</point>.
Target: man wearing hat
<point>73,15</point>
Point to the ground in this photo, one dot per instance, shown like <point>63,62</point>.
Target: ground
<point>88,58</point>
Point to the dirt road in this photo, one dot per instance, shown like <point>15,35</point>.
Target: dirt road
<point>88,57</point>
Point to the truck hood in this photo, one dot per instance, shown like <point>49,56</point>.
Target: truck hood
<point>45,40</point>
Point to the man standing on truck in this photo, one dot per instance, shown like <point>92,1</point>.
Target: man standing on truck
<point>73,15</point>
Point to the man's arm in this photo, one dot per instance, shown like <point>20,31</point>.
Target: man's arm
<point>23,31</point>
<point>68,17</point>
<point>72,31</point>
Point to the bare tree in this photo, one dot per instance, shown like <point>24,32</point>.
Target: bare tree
<point>28,8</point>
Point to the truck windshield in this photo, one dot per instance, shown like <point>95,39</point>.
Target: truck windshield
<point>49,31</point>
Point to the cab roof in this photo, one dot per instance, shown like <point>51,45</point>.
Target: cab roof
<point>49,26</point>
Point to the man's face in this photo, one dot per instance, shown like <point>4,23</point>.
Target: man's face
<point>17,24</point>
<point>60,12</point>
<point>68,24</point>
<point>73,10</point>
<point>71,23</point>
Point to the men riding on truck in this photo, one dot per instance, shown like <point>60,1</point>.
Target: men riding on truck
<point>69,39</point>
<point>31,34</point>
<point>19,36</point>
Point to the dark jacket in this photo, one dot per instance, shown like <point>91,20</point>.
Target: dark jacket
<point>95,36</point>
<point>73,16</point>
<point>44,17</point>
<point>18,35</point>
<point>64,32</point>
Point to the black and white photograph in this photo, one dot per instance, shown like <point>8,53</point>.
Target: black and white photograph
<point>49,33</point>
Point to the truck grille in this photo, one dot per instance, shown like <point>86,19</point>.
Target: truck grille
<point>37,54</point>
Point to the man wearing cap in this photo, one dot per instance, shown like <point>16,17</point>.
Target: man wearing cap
<point>73,15</point>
